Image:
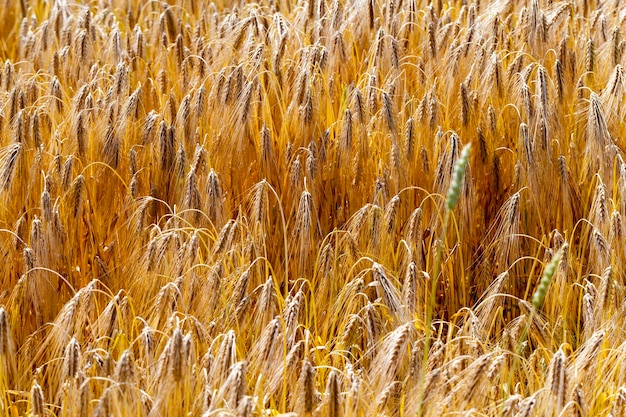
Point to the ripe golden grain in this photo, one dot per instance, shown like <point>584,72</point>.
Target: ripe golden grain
<point>280,171</point>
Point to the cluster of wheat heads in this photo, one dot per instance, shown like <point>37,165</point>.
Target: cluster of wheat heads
<point>216,208</point>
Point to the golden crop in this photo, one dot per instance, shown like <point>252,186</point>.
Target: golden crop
<point>252,209</point>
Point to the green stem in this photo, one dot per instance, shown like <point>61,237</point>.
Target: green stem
<point>518,354</point>
<point>431,308</point>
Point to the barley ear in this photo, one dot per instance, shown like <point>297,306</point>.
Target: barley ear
<point>457,178</point>
<point>37,402</point>
<point>546,278</point>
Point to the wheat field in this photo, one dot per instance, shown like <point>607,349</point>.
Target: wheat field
<point>312,208</point>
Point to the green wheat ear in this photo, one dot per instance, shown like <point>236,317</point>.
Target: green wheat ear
<point>457,178</point>
<point>546,278</point>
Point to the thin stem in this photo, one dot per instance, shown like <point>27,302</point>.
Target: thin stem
<point>430,309</point>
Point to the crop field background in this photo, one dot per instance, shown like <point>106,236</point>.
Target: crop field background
<point>312,208</point>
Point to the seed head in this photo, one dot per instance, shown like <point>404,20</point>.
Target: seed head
<point>546,278</point>
<point>457,178</point>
